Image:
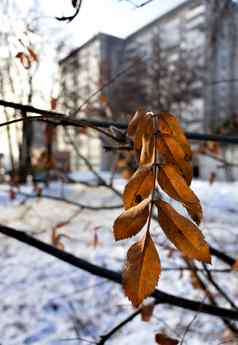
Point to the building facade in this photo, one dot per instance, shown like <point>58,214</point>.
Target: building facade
<point>185,62</point>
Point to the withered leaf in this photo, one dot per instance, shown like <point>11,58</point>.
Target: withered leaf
<point>24,59</point>
<point>185,235</point>
<point>139,186</point>
<point>195,211</point>
<point>235,266</point>
<point>56,238</point>
<point>142,270</point>
<point>131,221</point>
<point>171,181</point>
<point>163,339</point>
<point>168,124</point>
<point>53,103</point>
<point>33,55</point>
<point>133,124</point>
<point>147,151</point>
<point>172,152</point>
<point>147,312</point>
<point>145,128</point>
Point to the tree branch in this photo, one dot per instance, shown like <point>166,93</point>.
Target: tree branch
<point>57,118</point>
<point>160,296</point>
<point>107,336</point>
<point>70,18</point>
<point>70,202</point>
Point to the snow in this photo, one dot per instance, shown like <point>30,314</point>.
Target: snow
<point>45,301</point>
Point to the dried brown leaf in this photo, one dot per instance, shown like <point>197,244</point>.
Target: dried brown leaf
<point>168,124</point>
<point>163,339</point>
<point>172,152</point>
<point>171,181</point>
<point>235,266</point>
<point>24,59</point>
<point>148,150</point>
<point>53,103</point>
<point>145,128</point>
<point>56,238</point>
<point>131,221</point>
<point>195,211</point>
<point>32,54</point>
<point>142,270</point>
<point>185,235</point>
<point>147,312</point>
<point>133,124</point>
<point>139,186</point>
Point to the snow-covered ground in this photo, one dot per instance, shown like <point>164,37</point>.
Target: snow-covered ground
<point>46,301</point>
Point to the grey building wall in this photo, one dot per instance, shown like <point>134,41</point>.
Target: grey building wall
<point>189,27</point>
<point>221,64</point>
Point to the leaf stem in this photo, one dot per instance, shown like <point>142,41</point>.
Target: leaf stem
<point>155,167</point>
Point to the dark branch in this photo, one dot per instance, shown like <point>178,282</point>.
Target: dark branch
<point>105,273</point>
<point>70,18</point>
<point>62,119</point>
<point>106,337</point>
<point>70,202</point>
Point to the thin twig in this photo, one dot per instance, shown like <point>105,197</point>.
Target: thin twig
<point>107,336</point>
<point>70,202</point>
<point>90,167</point>
<point>191,322</point>
<point>210,296</point>
<point>218,288</point>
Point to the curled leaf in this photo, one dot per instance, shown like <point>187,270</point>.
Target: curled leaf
<point>168,124</point>
<point>24,59</point>
<point>32,54</point>
<point>235,266</point>
<point>133,124</point>
<point>172,152</point>
<point>131,221</point>
<point>163,339</point>
<point>147,312</point>
<point>185,235</point>
<point>144,128</point>
<point>56,238</point>
<point>53,103</point>
<point>142,270</point>
<point>139,186</point>
<point>171,181</point>
<point>147,151</point>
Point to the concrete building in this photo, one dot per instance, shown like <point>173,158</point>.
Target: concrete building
<point>185,61</point>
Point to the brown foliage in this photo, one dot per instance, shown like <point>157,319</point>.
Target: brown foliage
<point>131,221</point>
<point>142,270</point>
<point>139,186</point>
<point>182,233</point>
<point>171,181</point>
<point>163,339</point>
<point>164,157</point>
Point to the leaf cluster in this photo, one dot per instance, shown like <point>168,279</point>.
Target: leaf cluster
<point>164,161</point>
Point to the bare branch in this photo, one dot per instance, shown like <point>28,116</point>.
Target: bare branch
<point>70,18</point>
<point>70,202</point>
<point>63,120</point>
<point>106,337</point>
<point>160,296</point>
